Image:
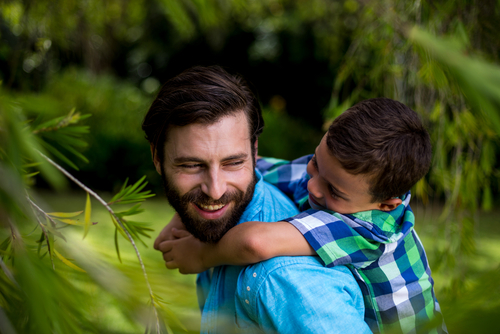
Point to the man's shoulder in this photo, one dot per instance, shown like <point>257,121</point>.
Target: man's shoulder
<point>308,267</point>
<point>313,298</point>
<point>291,274</point>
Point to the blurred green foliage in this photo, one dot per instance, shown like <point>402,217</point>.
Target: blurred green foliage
<point>309,61</point>
<point>117,148</point>
<point>43,259</point>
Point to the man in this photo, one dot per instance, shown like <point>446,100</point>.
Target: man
<point>203,129</point>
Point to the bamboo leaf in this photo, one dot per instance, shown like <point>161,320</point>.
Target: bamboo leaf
<point>58,154</point>
<point>64,214</point>
<point>116,245</point>
<point>40,241</point>
<point>87,222</point>
<point>70,221</point>
<point>31,174</point>
<point>67,262</point>
<point>77,154</point>
<point>118,227</point>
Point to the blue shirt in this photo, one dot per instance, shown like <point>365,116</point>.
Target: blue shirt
<point>283,294</point>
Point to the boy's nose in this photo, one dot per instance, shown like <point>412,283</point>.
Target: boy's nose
<point>313,188</point>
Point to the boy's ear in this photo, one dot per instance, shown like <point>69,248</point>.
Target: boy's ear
<point>389,204</point>
<point>156,161</point>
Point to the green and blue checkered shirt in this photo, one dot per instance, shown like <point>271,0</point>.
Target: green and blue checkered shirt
<point>381,249</point>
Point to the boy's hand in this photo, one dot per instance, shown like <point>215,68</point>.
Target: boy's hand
<point>166,233</point>
<point>184,253</point>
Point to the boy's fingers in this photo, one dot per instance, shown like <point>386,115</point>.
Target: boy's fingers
<point>165,234</point>
<point>171,265</point>
<point>165,246</point>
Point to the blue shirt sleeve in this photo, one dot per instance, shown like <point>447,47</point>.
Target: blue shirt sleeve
<point>299,295</point>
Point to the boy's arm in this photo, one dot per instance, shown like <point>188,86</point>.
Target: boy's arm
<point>244,244</point>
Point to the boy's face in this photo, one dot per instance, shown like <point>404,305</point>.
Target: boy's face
<point>333,188</point>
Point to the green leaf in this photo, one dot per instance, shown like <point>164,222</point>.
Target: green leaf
<point>87,222</point>
<point>116,245</point>
<point>67,262</point>
<point>58,154</point>
<point>70,221</point>
<point>64,214</point>
<point>77,154</point>
<point>53,230</point>
<point>40,241</point>
<point>119,227</point>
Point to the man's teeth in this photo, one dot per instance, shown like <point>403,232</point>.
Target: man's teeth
<point>212,207</point>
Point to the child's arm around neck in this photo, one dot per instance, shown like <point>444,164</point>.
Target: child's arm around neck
<point>244,244</point>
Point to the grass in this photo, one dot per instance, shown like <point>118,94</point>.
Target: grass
<point>178,291</point>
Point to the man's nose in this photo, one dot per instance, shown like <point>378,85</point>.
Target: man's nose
<point>215,184</point>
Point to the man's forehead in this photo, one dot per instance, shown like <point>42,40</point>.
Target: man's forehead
<point>228,136</point>
<point>239,117</point>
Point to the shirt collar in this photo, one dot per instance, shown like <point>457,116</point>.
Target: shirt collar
<point>387,221</point>
<point>256,204</point>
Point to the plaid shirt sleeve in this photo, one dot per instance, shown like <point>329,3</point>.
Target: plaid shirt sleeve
<point>288,176</point>
<point>346,239</point>
<point>334,241</point>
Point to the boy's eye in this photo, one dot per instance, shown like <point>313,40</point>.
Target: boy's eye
<point>333,193</point>
<point>314,162</point>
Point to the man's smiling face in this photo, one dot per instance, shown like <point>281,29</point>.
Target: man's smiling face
<point>208,173</point>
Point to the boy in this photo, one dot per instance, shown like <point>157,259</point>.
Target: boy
<point>354,200</point>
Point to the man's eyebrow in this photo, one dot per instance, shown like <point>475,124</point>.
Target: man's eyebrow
<point>180,160</point>
<point>236,157</point>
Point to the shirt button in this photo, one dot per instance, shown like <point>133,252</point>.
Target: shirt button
<point>248,288</point>
<point>254,274</point>
<point>246,301</point>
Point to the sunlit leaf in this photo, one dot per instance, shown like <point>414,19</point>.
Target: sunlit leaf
<point>87,222</point>
<point>70,221</point>
<point>67,262</point>
<point>119,228</point>
<point>64,214</point>
<point>116,245</point>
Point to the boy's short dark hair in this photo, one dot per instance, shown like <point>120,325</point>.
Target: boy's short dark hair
<point>385,140</point>
<point>200,95</point>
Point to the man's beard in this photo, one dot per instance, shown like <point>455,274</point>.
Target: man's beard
<point>208,230</point>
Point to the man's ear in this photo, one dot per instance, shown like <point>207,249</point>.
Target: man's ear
<point>389,204</point>
<point>156,161</point>
<point>256,147</point>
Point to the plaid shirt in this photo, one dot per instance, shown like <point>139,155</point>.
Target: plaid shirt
<point>381,248</point>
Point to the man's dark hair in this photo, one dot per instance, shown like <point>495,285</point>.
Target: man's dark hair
<point>385,140</point>
<point>200,95</point>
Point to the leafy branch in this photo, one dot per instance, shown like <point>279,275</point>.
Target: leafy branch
<point>23,153</point>
<point>119,221</point>
<point>57,133</point>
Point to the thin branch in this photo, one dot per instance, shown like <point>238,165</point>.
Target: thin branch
<point>118,220</point>
<point>33,205</point>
